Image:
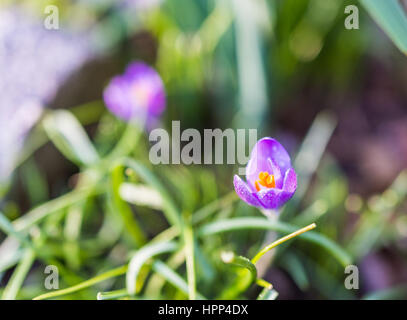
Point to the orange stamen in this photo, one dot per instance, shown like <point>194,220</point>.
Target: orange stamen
<point>256,184</point>
<point>266,180</point>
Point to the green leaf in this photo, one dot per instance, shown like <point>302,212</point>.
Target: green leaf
<point>274,244</point>
<point>9,258</point>
<point>123,209</point>
<point>260,223</point>
<point>294,267</point>
<point>140,258</point>
<point>394,293</point>
<point>85,284</point>
<point>37,214</point>
<point>112,294</point>
<point>213,207</point>
<point>34,182</point>
<point>7,227</point>
<point>170,210</point>
<point>70,138</point>
<point>19,274</point>
<point>141,195</point>
<point>240,261</point>
<point>391,17</point>
<point>189,248</point>
<point>127,142</point>
<point>268,294</point>
<point>173,278</point>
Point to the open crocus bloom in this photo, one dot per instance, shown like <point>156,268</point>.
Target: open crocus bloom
<point>138,93</point>
<point>271,180</point>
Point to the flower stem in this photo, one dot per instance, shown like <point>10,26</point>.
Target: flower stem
<point>281,240</point>
<point>102,277</point>
<point>263,283</point>
<point>127,142</point>
<point>243,262</point>
<point>19,275</point>
<point>110,295</point>
<point>190,261</point>
<point>243,280</point>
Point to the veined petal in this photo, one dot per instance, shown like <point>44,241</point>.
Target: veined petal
<point>244,192</point>
<point>290,181</point>
<point>263,150</point>
<point>273,198</point>
<point>275,170</point>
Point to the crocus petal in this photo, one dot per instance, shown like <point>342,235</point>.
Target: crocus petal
<point>263,150</point>
<point>273,198</point>
<point>158,101</point>
<point>117,99</point>
<point>275,170</point>
<point>244,192</point>
<point>137,70</point>
<point>139,94</point>
<point>290,181</point>
<point>145,76</point>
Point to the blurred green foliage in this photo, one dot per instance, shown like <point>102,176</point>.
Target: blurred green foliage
<point>221,69</point>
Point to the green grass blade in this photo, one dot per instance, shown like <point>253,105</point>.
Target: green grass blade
<point>7,227</point>
<point>112,294</point>
<point>140,195</point>
<point>391,17</point>
<point>260,223</point>
<point>85,284</point>
<point>127,142</point>
<point>70,138</point>
<point>190,261</point>
<point>37,214</point>
<point>394,293</point>
<point>123,209</point>
<point>274,244</point>
<point>170,210</point>
<point>268,294</point>
<point>312,150</point>
<point>211,208</point>
<point>10,259</point>
<point>140,258</point>
<point>295,268</point>
<point>243,262</point>
<point>19,274</point>
<point>173,278</point>
<point>34,182</point>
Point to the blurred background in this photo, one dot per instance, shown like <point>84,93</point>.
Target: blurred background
<point>335,98</point>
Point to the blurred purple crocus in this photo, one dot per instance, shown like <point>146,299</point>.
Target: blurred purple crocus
<point>138,94</point>
<point>271,180</point>
<point>35,63</point>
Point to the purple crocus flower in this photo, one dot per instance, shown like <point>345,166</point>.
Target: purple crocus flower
<point>137,94</point>
<point>34,63</point>
<point>271,180</point>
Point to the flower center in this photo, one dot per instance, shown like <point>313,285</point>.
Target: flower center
<point>141,94</point>
<point>266,180</point>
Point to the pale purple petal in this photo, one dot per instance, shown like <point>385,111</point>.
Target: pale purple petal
<point>35,63</point>
<point>145,77</point>
<point>275,170</point>
<point>137,94</point>
<point>290,181</point>
<point>244,192</point>
<point>264,149</point>
<point>116,98</point>
<point>273,198</point>
<point>268,155</point>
